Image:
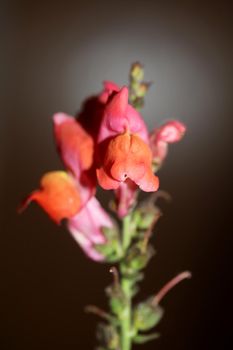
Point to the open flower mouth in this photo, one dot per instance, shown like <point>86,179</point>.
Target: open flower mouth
<point>127,156</point>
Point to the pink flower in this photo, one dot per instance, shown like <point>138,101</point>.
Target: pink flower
<point>170,132</point>
<point>86,228</point>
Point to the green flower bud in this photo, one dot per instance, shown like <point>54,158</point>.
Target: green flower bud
<point>111,249</point>
<point>148,216</point>
<point>107,335</point>
<point>137,72</point>
<point>138,103</point>
<point>117,305</point>
<point>142,89</point>
<point>137,258</point>
<point>117,300</point>
<point>146,315</point>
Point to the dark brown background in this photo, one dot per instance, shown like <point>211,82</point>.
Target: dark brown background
<point>54,55</point>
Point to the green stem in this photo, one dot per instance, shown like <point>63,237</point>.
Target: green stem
<point>126,287</point>
<point>126,235</point>
<point>126,317</point>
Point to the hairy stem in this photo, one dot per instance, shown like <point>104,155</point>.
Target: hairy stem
<point>126,317</point>
<point>126,287</point>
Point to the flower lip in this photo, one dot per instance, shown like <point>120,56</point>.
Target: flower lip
<point>127,156</point>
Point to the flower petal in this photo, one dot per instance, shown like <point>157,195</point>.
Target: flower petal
<point>86,227</point>
<point>86,245</point>
<point>109,88</point>
<point>127,156</point>
<point>119,117</point>
<point>149,182</point>
<point>159,151</point>
<point>76,146</point>
<point>105,181</point>
<point>171,131</point>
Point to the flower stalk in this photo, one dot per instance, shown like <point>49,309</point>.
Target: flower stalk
<point>108,144</point>
<point>126,334</point>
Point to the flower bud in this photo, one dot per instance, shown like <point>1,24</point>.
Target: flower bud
<point>137,258</point>
<point>142,90</point>
<point>146,315</point>
<point>107,335</point>
<point>117,299</point>
<point>147,216</point>
<point>172,131</point>
<point>111,249</point>
<point>137,72</point>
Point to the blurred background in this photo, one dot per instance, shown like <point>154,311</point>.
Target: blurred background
<point>54,54</point>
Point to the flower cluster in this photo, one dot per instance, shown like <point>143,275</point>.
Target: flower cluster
<point>108,144</point>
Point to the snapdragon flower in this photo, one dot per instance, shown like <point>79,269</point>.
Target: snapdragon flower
<point>70,194</point>
<point>123,145</point>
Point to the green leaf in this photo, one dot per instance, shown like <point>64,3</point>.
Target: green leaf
<point>141,339</point>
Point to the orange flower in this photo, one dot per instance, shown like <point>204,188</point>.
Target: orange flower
<point>127,156</point>
<point>58,196</point>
